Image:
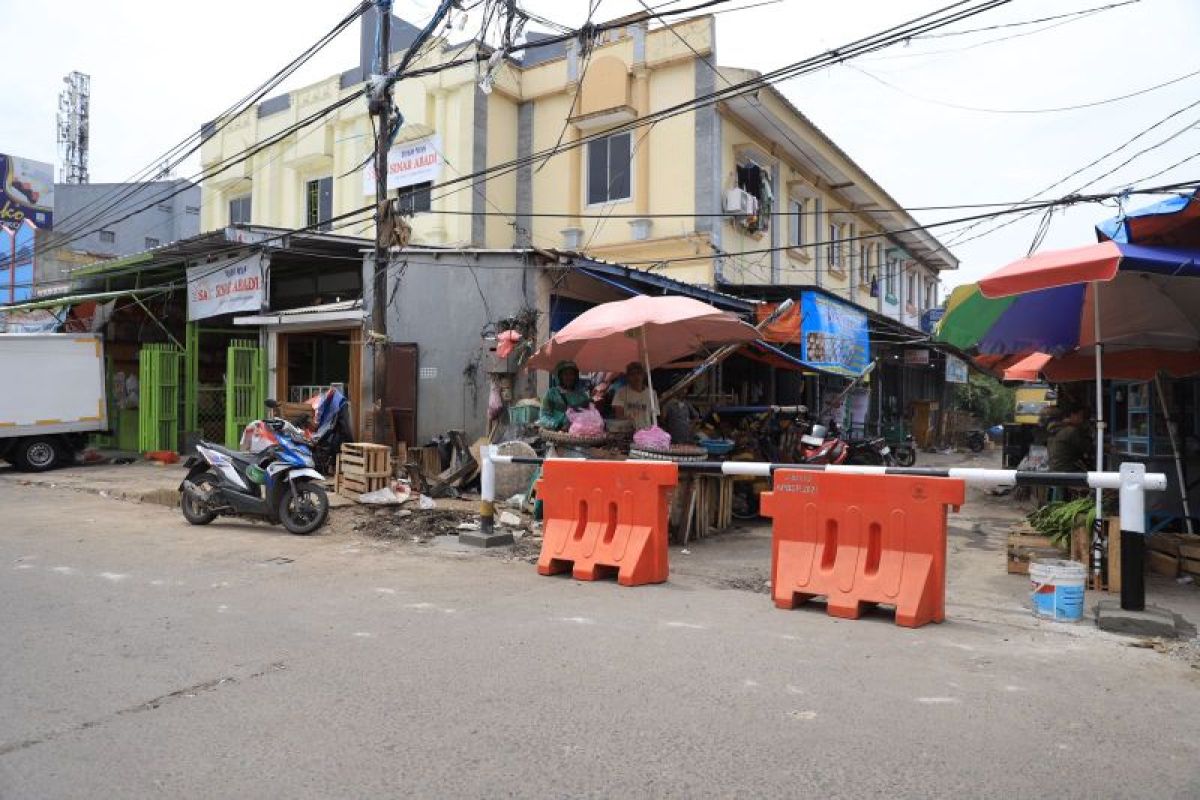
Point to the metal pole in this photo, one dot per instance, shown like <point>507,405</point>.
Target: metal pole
<point>649,382</point>
<point>1098,349</point>
<point>382,107</point>
<point>1133,536</point>
<point>1173,433</point>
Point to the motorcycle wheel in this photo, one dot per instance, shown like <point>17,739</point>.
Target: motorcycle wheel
<point>303,508</point>
<point>195,511</point>
<point>745,504</point>
<point>905,456</point>
<point>865,458</point>
<point>976,444</point>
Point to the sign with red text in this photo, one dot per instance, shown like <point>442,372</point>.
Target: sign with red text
<point>215,289</point>
<point>409,163</point>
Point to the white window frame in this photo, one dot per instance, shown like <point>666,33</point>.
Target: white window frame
<point>797,211</point>
<point>587,167</point>
<point>835,246</point>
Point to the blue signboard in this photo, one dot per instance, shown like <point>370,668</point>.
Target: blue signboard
<point>833,335</point>
<point>26,192</point>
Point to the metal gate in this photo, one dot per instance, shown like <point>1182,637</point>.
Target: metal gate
<point>158,397</point>
<point>245,389</point>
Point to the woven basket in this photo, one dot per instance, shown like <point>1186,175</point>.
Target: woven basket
<point>562,437</point>
<point>679,453</point>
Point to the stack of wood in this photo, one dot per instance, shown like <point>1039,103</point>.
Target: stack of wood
<point>362,468</point>
<point>702,505</point>
<point>1173,554</point>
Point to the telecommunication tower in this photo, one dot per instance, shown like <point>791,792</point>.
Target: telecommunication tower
<point>73,116</point>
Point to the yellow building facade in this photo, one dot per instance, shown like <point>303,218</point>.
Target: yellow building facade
<point>582,153</point>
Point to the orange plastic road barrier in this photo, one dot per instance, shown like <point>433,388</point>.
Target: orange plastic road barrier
<point>861,539</point>
<point>602,518</point>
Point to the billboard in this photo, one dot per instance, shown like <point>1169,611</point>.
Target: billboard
<point>224,289</point>
<point>956,370</point>
<point>26,192</point>
<point>833,335</point>
<point>409,163</point>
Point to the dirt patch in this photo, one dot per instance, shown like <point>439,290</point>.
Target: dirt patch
<point>401,525</point>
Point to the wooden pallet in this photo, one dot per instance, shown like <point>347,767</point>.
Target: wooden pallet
<point>1026,545</point>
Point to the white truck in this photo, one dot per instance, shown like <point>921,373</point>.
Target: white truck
<point>52,395</point>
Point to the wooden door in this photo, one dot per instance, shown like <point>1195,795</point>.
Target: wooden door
<point>400,393</point>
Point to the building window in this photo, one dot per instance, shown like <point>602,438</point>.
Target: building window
<point>151,242</point>
<point>609,165</point>
<point>910,289</point>
<point>797,213</point>
<point>864,265</point>
<point>108,237</point>
<point>318,203</point>
<point>891,278</point>
<point>239,210</point>
<point>416,198</point>
<point>835,246</point>
<point>931,294</point>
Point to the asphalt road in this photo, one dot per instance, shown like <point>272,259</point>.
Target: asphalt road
<point>142,657</point>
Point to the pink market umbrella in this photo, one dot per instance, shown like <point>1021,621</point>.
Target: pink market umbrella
<point>653,330</point>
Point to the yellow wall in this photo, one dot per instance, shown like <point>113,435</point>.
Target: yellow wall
<point>571,97</point>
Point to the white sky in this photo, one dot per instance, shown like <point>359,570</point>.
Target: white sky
<point>160,69</point>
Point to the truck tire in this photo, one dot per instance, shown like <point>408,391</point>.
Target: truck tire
<point>37,454</point>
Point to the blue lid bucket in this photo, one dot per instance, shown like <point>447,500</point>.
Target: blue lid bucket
<point>1058,588</point>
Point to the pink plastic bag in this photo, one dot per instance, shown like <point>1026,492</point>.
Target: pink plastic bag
<point>587,422</point>
<point>654,438</point>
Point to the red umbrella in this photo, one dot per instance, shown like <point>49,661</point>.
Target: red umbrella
<point>654,330</point>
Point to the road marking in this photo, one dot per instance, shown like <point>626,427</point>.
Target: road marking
<point>158,582</point>
<point>115,577</point>
<point>23,566</point>
<point>364,634</point>
<point>419,606</point>
<point>689,625</point>
<point>938,700</point>
<point>794,689</point>
<point>385,590</point>
<point>64,570</point>
<point>750,684</point>
<point>221,609</point>
<point>802,714</point>
<point>577,620</point>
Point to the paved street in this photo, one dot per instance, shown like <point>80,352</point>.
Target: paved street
<point>143,657</point>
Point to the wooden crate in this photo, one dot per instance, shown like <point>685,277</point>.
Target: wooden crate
<point>362,468</point>
<point>1024,546</point>
<point>1162,563</point>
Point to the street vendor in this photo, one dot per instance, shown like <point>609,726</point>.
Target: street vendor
<point>635,400</point>
<point>567,393</point>
<point>1069,441</point>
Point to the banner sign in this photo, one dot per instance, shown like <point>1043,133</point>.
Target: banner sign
<point>409,163</point>
<point>956,370</point>
<point>916,356</point>
<point>833,335</point>
<point>223,289</point>
<point>26,192</point>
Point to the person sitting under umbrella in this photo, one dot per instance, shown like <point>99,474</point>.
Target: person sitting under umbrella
<point>635,400</point>
<point>567,393</point>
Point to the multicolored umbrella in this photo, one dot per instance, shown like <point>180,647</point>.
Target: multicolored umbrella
<point>1047,303</point>
<point>1174,222</point>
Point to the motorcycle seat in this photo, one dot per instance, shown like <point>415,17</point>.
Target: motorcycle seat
<point>236,455</point>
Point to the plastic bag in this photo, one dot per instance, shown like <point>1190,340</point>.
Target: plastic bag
<point>587,422</point>
<point>654,438</point>
<point>505,342</point>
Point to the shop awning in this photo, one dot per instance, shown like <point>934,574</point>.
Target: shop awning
<point>70,300</point>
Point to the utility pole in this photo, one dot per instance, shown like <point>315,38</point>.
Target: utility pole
<point>381,108</point>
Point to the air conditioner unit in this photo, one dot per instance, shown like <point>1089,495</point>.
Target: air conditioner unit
<point>739,201</point>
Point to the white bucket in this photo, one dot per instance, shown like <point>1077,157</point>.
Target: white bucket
<point>1058,589</point>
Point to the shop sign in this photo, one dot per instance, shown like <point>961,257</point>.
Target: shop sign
<point>215,289</point>
<point>409,163</point>
<point>917,356</point>
<point>833,335</point>
<point>956,370</point>
<point>26,192</point>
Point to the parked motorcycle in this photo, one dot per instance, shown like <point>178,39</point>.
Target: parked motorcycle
<point>976,440</point>
<point>820,446</point>
<point>905,452</point>
<point>275,480</point>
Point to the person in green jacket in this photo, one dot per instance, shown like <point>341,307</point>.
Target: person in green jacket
<point>567,393</point>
